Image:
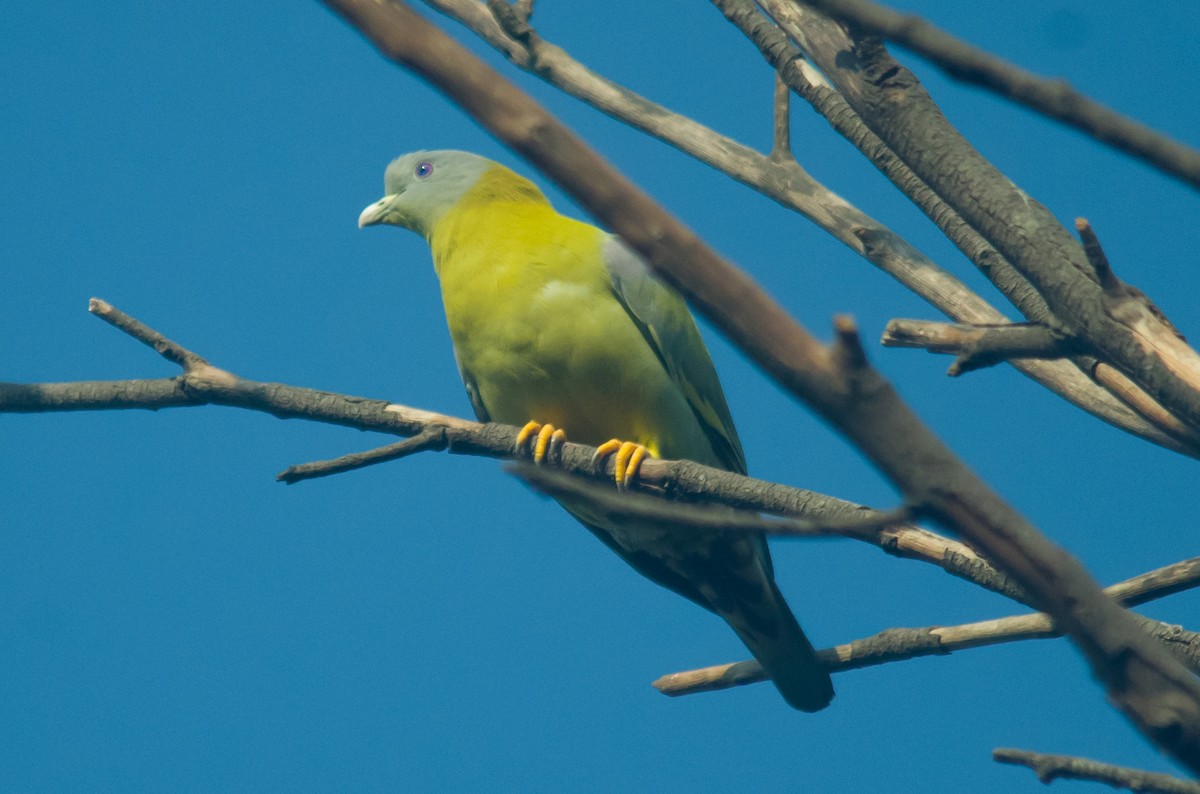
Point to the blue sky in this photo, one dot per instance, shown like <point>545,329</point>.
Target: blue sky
<point>172,618</point>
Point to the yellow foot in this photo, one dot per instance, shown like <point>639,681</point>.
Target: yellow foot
<point>627,461</point>
<point>547,440</point>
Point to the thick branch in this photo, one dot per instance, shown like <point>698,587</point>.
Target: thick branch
<point>1053,98</point>
<point>1154,689</point>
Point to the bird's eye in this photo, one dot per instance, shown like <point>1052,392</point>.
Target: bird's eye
<point>423,170</point>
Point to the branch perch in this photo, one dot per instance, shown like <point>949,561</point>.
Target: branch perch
<point>204,384</point>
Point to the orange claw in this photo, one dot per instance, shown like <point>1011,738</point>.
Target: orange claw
<point>628,460</point>
<point>548,440</point>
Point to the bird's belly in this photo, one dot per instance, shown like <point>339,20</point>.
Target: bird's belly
<point>592,398</point>
<point>594,377</point>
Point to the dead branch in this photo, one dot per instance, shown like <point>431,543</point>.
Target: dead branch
<point>894,645</point>
<point>896,107</point>
<point>978,346</point>
<point>1055,99</point>
<point>1049,768</point>
<point>782,55</point>
<point>203,384</point>
<point>684,517</point>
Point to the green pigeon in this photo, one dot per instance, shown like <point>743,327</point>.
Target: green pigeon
<point>557,325</point>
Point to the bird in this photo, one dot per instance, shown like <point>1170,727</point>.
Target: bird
<point>560,328</point>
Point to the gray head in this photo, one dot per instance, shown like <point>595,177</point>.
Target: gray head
<point>420,187</point>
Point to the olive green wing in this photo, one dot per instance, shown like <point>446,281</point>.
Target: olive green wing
<point>665,322</point>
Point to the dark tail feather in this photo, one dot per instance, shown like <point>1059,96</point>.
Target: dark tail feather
<point>772,634</point>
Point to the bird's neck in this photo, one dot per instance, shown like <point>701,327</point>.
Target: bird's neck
<point>503,211</point>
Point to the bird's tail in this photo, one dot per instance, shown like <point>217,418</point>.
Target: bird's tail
<point>769,629</point>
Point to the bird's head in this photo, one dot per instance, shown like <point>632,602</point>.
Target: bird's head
<point>420,187</point>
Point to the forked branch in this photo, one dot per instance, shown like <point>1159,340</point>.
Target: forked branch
<point>1055,99</point>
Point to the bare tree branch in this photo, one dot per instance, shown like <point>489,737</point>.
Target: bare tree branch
<point>169,350</point>
<point>1049,768</point>
<point>896,107</point>
<point>429,439</point>
<point>1154,690</point>
<point>978,346</point>
<point>204,384</point>
<point>819,515</point>
<point>789,63</point>
<point>780,53</point>
<point>684,517</point>
<point>784,58</point>
<point>893,645</point>
<point>781,143</point>
<point>1053,98</point>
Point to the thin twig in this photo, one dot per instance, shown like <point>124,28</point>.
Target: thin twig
<point>847,351</point>
<point>1118,294</point>
<point>781,144</point>
<point>1049,768</point>
<point>893,645</point>
<point>171,351</point>
<point>432,438</point>
<point>1096,256</point>
<point>978,346</point>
